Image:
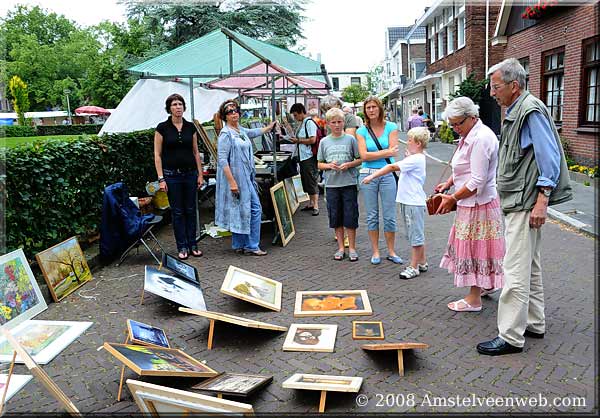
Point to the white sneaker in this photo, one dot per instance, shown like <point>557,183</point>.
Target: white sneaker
<point>423,267</point>
<point>409,273</point>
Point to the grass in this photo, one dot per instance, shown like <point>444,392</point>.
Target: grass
<point>20,140</point>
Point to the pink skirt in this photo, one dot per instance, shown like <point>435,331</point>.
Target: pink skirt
<point>476,247</point>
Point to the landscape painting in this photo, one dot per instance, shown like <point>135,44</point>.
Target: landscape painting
<point>332,302</point>
<point>145,334</point>
<point>311,337</point>
<point>64,268</point>
<point>291,194</point>
<point>43,340</point>
<point>283,213</point>
<point>157,361</point>
<point>20,295</point>
<point>174,288</point>
<point>252,288</point>
<point>301,195</point>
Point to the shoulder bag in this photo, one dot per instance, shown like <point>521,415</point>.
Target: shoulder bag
<point>387,160</point>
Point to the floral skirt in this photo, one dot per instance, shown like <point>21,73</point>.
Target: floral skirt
<point>475,250</point>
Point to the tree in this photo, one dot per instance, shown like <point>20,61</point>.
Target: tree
<point>374,78</point>
<point>18,90</point>
<point>355,93</point>
<point>277,22</point>
<point>470,88</point>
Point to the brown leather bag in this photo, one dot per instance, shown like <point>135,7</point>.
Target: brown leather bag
<point>434,200</point>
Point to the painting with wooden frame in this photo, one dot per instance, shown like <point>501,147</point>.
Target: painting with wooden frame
<point>212,136</point>
<point>301,195</point>
<point>41,375</point>
<point>21,298</point>
<point>205,140</point>
<point>282,213</point>
<point>144,334</point>
<point>234,384</point>
<point>158,361</point>
<point>290,192</point>
<point>323,382</point>
<point>232,319</point>
<point>156,401</point>
<point>253,288</point>
<point>367,330</point>
<point>64,267</point>
<point>332,302</point>
<point>311,337</point>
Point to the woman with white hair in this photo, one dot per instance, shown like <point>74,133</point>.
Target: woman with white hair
<point>476,243</point>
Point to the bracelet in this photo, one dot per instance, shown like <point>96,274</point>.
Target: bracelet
<point>161,180</point>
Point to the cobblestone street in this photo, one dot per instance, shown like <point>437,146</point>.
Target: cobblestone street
<point>560,366</point>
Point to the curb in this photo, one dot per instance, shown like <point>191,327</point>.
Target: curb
<point>552,213</point>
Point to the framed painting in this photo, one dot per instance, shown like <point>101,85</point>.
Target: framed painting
<point>180,268</point>
<point>64,268</point>
<point>43,340</point>
<point>41,375</point>
<point>232,319</point>
<point>158,361</point>
<point>17,381</point>
<point>301,195</point>
<point>367,330</point>
<point>290,192</point>
<point>251,287</point>
<point>156,401</point>
<point>20,295</point>
<point>311,337</point>
<point>173,288</point>
<point>323,382</point>
<point>203,136</point>
<point>282,213</point>
<point>332,302</point>
<point>144,334</point>
<point>234,384</point>
<point>212,136</point>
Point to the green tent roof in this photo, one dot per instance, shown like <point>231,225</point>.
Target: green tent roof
<point>209,55</point>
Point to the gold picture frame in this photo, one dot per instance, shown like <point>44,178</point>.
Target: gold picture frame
<point>253,288</point>
<point>367,330</point>
<point>332,302</point>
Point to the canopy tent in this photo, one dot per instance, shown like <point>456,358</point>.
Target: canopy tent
<point>143,107</point>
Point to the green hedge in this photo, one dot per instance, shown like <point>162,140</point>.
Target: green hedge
<point>54,189</point>
<point>18,130</point>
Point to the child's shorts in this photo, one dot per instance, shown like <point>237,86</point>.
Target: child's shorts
<point>414,223</point>
<point>342,206</point>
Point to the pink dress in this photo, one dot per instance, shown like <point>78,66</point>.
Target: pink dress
<point>476,246</point>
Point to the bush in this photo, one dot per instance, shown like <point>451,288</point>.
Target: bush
<point>54,189</point>
<point>445,133</point>
<point>19,130</point>
<point>12,131</point>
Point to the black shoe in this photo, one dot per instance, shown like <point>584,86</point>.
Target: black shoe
<point>532,334</point>
<point>306,208</point>
<point>497,347</point>
<point>315,212</point>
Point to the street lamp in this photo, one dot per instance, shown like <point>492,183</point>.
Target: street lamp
<point>67,91</point>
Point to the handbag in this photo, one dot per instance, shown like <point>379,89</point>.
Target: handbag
<point>433,201</point>
<point>387,160</point>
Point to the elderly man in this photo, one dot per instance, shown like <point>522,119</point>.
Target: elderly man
<point>532,174</point>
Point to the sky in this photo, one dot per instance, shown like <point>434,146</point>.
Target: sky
<point>349,34</point>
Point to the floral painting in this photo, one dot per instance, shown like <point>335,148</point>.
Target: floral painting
<point>20,296</point>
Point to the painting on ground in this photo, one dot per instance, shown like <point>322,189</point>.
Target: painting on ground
<point>17,381</point>
<point>20,295</point>
<point>174,288</point>
<point>64,268</point>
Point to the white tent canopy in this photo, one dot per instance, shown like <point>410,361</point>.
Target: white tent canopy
<point>143,107</point>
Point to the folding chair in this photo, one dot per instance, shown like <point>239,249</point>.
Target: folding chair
<point>147,233</point>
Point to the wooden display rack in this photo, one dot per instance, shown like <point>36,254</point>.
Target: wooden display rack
<point>395,346</point>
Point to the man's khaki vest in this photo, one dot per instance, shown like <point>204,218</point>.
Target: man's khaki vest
<point>518,171</point>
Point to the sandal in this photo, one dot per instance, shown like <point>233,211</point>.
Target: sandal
<point>339,255</point>
<point>196,252</point>
<point>485,292</point>
<point>183,255</point>
<point>455,306</point>
<point>353,255</point>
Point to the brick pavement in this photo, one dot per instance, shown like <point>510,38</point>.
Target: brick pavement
<point>561,365</point>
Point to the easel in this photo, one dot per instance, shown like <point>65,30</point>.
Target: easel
<point>10,372</point>
<point>123,367</point>
<point>400,347</point>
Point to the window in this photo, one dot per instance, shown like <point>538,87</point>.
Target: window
<point>449,15</point>
<point>591,82</point>
<point>554,70</point>
<point>336,83</point>
<point>440,44</point>
<point>451,88</point>
<point>450,38</point>
<point>461,6</point>
<point>355,81</point>
<point>432,43</point>
<point>461,31</point>
<point>525,63</point>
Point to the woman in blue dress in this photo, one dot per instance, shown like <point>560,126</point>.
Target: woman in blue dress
<point>237,207</point>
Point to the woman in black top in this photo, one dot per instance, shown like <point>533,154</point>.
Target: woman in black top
<point>179,171</point>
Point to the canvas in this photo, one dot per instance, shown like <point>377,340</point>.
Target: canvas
<point>64,268</point>
<point>181,269</point>
<point>332,302</point>
<point>158,361</point>
<point>234,384</point>
<point>282,213</point>
<point>155,400</point>
<point>311,337</point>
<point>43,340</point>
<point>17,381</point>
<point>174,289</point>
<point>20,295</point>
<point>323,382</point>
<point>144,334</point>
<point>291,194</point>
<point>367,330</point>
<point>301,195</point>
<point>252,288</point>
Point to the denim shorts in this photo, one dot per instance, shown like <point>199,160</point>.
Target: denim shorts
<point>342,206</point>
<point>414,223</point>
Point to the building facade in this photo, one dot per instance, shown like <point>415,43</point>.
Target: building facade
<point>342,80</point>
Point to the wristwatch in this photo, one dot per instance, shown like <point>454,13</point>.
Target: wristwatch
<point>546,191</point>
